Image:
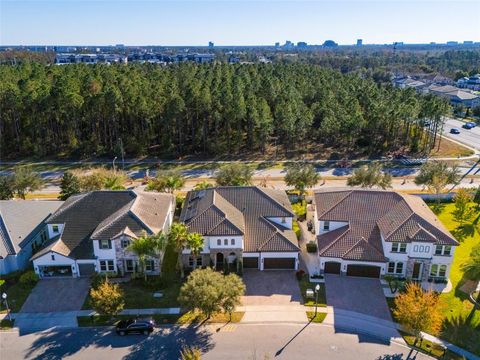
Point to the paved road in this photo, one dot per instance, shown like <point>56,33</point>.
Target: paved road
<point>237,341</point>
<point>468,137</point>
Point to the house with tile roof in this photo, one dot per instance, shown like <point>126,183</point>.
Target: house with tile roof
<point>241,223</point>
<point>371,233</point>
<point>22,225</point>
<point>91,231</point>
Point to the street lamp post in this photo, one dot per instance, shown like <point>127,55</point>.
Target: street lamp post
<point>4,297</point>
<point>113,163</point>
<point>317,290</point>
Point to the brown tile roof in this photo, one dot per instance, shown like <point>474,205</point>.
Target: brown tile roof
<point>371,214</point>
<point>241,211</point>
<point>102,215</point>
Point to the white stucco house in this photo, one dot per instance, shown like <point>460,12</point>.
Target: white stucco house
<point>246,223</point>
<point>373,233</point>
<point>22,224</point>
<point>90,232</point>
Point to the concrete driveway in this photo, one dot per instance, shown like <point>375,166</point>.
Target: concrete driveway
<point>362,295</point>
<point>55,295</point>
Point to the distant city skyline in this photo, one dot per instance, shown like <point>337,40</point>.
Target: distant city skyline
<point>196,23</point>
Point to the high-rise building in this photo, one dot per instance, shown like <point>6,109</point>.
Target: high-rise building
<point>211,44</point>
<point>301,44</point>
<point>277,44</point>
<point>359,42</point>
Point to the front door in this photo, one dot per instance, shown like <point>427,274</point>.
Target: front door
<point>219,261</point>
<point>417,271</point>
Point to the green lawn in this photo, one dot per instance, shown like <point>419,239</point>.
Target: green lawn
<point>306,284</point>
<point>430,348</point>
<point>457,305</point>
<point>139,295</point>
<point>17,293</point>
<point>181,319</point>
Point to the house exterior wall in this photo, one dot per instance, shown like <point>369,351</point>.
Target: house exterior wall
<point>333,225</point>
<point>59,260</point>
<point>121,255</point>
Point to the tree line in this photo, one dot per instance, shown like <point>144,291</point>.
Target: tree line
<point>216,110</point>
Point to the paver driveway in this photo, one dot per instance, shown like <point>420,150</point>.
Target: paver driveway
<point>275,287</point>
<point>52,295</point>
<point>272,296</point>
<point>357,294</point>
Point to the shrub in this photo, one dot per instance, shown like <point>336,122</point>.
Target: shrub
<point>299,274</point>
<point>240,267</point>
<point>312,247</point>
<point>300,209</point>
<point>296,229</point>
<point>29,278</point>
<point>107,299</point>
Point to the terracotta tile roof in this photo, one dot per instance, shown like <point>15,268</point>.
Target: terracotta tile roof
<point>102,215</point>
<point>371,214</point>
<point>241,211</point>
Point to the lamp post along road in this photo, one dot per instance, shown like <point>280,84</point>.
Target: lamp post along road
<point>113,164</point>
<point>4,297</point>
<point>317,290</point>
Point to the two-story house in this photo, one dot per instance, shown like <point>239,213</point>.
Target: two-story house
<point>22,231</point>
<point>373,233</point>
<point>91,232</point>
<point>249,223</point>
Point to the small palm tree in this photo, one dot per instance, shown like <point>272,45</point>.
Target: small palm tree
<point>142,247</point>
<point>203,185</point>
<point>472,271</point>
<point>195,244</point>
<point>178,238</point>
<point>161,241</point>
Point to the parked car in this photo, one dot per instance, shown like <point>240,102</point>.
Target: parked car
<point>135,326</point>
<point>467,126</point>
<point>454,131</point>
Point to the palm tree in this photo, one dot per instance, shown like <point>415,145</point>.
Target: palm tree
<point>178,238</point>
<point>203,185</point>
<point>472,271</point>
<point>161,241</point>
<point>142,247</point>
<point>195,244</point>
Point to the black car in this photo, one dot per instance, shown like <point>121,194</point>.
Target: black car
<point>454,131</point>
<point>135,326</point>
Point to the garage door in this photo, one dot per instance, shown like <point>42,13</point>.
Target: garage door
<point>363,271</point>
<point>250,262</point>
<point>279,263</point>
<point>86,269</point>
<point>332,267</point>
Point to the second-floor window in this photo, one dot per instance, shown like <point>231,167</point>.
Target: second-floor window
<point>225,242</point>
<point>399,247</point>
<point>125,243</point>
<point>232,241</point>
<point>326,225</point>
<point>219,242</point>
<point>55,228</point>
<point>105,244</point>
<point>443,250</point>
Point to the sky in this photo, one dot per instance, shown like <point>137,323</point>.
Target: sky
<point>158,22</point>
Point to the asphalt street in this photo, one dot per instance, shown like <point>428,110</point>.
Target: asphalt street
<point>468,137</point>
<point>235,341</point>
